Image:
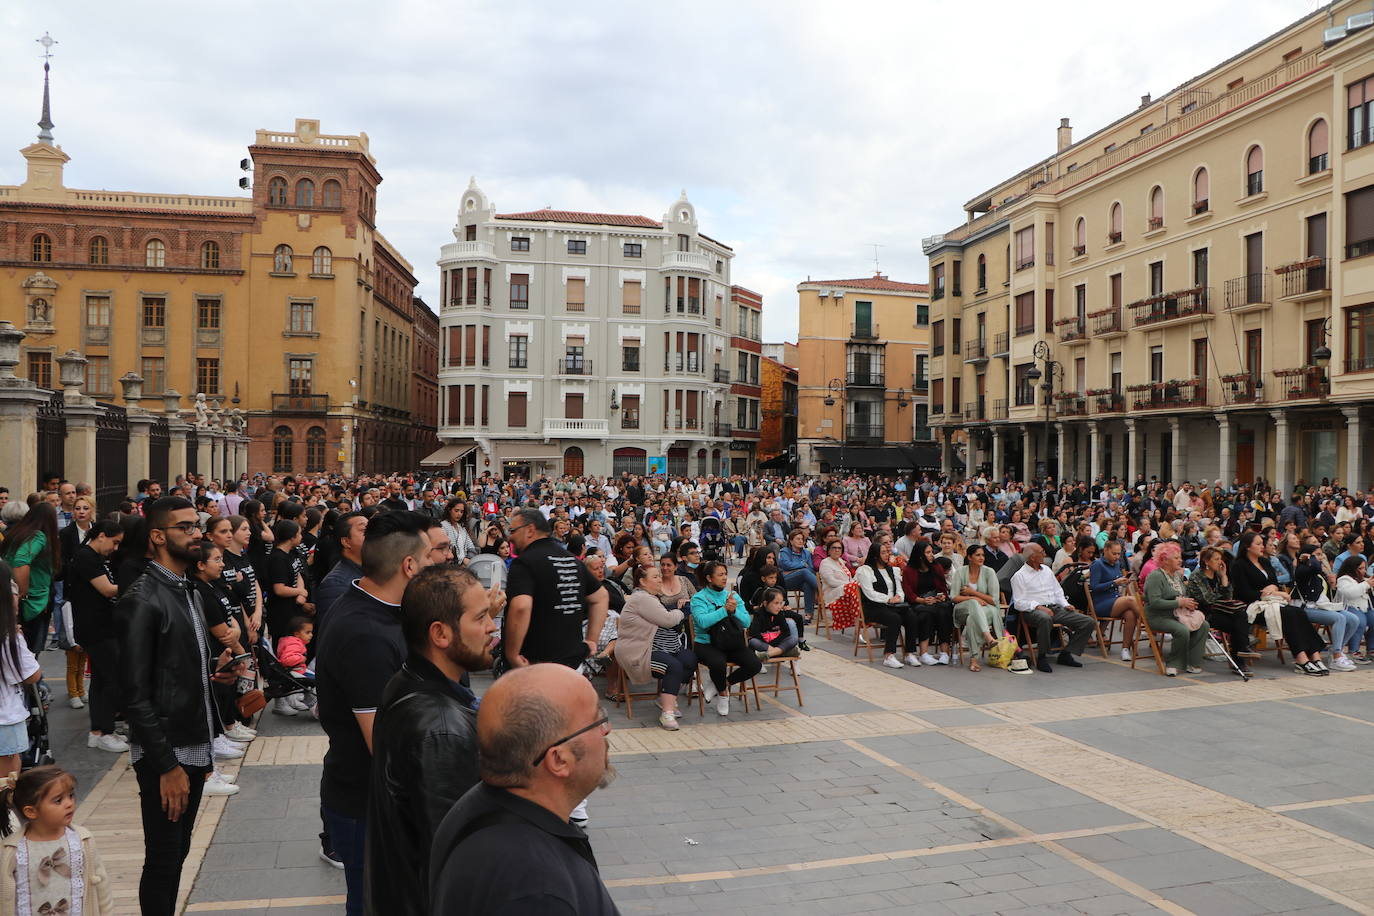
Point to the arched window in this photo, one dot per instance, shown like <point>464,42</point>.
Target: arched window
<point>42,247</point>
<point>314,450</point>
<point>1080,236</point>
<point>1200,192</point>
<point>305,193</point>
<point>282,445</point>
<point>1318,145</point>
<point>1254,171</point>
<point>209,256</point>
<point>333,194</point>
<point>276,192</point>
<point>982,272</point>
<point>155,253</point>
<point>281,260</point>
<point>100,250</point>
<point>573,462</point>
<point>323,261</point>
<point>1156,207</point>
<point>1114,234</point>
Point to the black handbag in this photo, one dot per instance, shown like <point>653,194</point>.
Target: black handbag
<point>727,635</point>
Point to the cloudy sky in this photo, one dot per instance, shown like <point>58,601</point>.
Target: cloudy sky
<point>805,132</point>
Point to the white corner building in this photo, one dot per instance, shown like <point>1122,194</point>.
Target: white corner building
<point>583,343</point>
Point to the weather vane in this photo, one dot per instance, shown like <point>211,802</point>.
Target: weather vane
<point>47,41</point>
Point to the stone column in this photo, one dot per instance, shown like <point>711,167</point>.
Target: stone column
<point>1226,459</point>
<point>1063,461</point>
<point>216,456</point>
<point>1132,452</point>
<point>1027,454</point>
<point>176,451</point>
<point>1179,468</point>
<point>79,466</point>
<point>19,403</point>
<point>140,442</point>
<point>945,448</point>
<point>998,456</point>
<point>240,456</point>
<point>1094,452</point>
<point>1283,455</point>
<point>203,463</point>
<point>1354,473</point>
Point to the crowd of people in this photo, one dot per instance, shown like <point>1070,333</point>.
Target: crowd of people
<point>378,598</point>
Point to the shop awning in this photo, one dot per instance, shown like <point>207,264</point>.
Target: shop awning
<point>448,455</point>
<point>776,463</point>
<point>527,451</point>
<point>880,458</point>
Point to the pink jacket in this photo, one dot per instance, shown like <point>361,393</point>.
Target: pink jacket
<point>291,653</point>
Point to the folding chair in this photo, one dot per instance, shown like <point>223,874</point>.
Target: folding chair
<point>777,686</point>
<point>698,682</point>
<point>624,691</point>
<point>861,628</point>
<point>1142,622</point>
<point>1027,638</point>
<point>1103,642</point>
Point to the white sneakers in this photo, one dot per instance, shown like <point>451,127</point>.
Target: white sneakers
<point>722,705</point>
<point>282,706</point>
<point>943,658</point>
<point>1125,654</point>
<point>112,743</point>
<point>708,690</point>
<point>1342,663</point>
<point>891,661</point>
<point>76,703</point>
<point>668,720</point>
<point>226,748</point>
<point>912,660</point>
<point>240,732</point>
<point>218,784</point>
<point>928,659</point>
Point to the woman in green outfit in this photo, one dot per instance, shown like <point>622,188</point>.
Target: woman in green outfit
<point>32,550</point>
<point>1165,594</point>
<point>974,585</point>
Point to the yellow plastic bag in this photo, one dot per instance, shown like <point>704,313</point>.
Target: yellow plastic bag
<point>1003,651</point>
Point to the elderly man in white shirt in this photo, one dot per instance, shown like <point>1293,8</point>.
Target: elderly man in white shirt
<point>1036,593</point>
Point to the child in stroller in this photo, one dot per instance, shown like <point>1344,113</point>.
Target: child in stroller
<point>712,541</point>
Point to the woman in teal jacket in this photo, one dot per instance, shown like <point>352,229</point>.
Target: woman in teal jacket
<point>709,607</point>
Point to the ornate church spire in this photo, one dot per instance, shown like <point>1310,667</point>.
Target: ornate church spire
<point>45,125</point>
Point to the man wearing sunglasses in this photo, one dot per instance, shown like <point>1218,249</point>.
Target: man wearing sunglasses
<point>542,747</point>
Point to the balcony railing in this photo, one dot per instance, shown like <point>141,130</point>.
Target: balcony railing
<point>1172,394</point>
<point>864,432</point>
<point>1109,402</point>
<point>1072,329</point>
<point>1242,388</point>
<point>1155,222</point>
<point>976,411</point>
<point>999,409</point>
<point>721,430</point>
<point>937,408</point>
<point>859,331</point>
<point>1108,322</point>
<point>1023,263</point>
<point>1024,329</point>
<point>576,429</point>
<point>919,383</point>
<point>938,293</point>
<point>1070,405</point>
<point>1302,383</point>
<point>1251,289</point>
<point>861,378</point>
<point>567,365</point>
<point>1001,343</point>
<point>1309,276</point>
<point>310,404</point>
<point>1187,303</point>
<point>721,375</point>
<point>937,348</point>
<point>685,260</point>
<point>1080,250</point>
<point>1359,363</point>
<point>975,349</point>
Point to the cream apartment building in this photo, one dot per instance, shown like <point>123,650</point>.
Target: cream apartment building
<point>1197,278</point>
<point>585,343</point>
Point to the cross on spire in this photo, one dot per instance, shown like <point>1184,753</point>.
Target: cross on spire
<point>45,124</point>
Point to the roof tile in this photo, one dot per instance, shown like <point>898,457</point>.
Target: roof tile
<point>572,216</point>
<point>876,283</point>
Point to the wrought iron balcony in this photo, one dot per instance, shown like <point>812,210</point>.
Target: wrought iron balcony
<point>1107,321</point>
<point>1001,344</point>
<point>300,404</point>
<point>1072,329</point>
<point>1109,401</point>
<point>568,365</point>
<point>1070,404</point>
<point>1180,305</point>
<point>999,409</point>
<point>1308,278</point>
<point>861,331</point>
<point>862,378</point>
<point>1302,383</point>
<point>975,350</point>
<point>1173,394</point>
<point>1247,291</point>
<point>864,432</point>
<point>1242,388</point>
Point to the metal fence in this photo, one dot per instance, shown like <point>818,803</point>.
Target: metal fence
<point>111,458</point>
<point>52,437</point>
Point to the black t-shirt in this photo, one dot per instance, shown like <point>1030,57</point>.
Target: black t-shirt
<point>240,580</point>
<point>91,611</point>
<point>282,569</point>
<point>360,648</point>
<point>559,586</point>
<point>214,602</point>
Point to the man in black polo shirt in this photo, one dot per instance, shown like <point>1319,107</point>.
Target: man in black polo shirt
<point>361,647</point>
<point>506,846</point>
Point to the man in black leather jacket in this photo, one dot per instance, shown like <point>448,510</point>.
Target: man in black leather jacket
<point>165,660</point>
<point>424,740</point>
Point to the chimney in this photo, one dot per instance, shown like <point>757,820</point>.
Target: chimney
<point>1064,134</point>
<point>1145,100</point>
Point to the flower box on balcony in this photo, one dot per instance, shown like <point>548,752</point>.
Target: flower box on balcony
<point>1143,386</point>
<point>1099,392</point>
<point>1080,250</point>
<point>1304,264</point>
<point>1113,238</point>
<point>1065,322</point>
<point>1101,312</point>
<point>1156,222</point>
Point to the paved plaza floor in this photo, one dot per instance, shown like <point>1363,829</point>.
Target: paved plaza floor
<point>1099,790</point>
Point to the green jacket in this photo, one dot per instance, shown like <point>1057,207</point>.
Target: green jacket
<point>1161,598</point>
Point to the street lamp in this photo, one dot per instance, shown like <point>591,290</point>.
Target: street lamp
<point>1322,355</point>
<point>1041,351</point>
<point>832,387</point>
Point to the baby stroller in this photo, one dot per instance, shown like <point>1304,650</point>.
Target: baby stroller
<point>712,540</point>
<point>278,681</point>
<point>40,750</point>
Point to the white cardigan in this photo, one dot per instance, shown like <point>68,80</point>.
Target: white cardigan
<point>866,578</point>
<point>1352,592</point>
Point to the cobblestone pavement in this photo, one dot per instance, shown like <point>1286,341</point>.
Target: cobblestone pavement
<point>1100,790</point>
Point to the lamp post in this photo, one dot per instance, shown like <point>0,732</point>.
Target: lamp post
<point>1041,352</point>
<point>833,387</point>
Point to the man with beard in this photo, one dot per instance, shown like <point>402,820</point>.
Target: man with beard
<point>166,670</point>
<point>424,739</point>
<point>507,846</point>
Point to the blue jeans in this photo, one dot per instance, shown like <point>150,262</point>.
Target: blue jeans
<point>740,541</point>
<point>348,834</point>
<point>1367,615</point>
<point>1340,623</point>
<point>805,580</point>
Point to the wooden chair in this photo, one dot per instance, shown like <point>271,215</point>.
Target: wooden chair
<point>777,686</point>
<point>1142,622</point>
<point>624,689</point>
<point>1103,642</point>
<point>861,628</point>
<point>698,681</point>
<point>1027,638</point>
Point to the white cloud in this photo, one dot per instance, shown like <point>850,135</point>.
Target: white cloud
<point>803,131</point>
